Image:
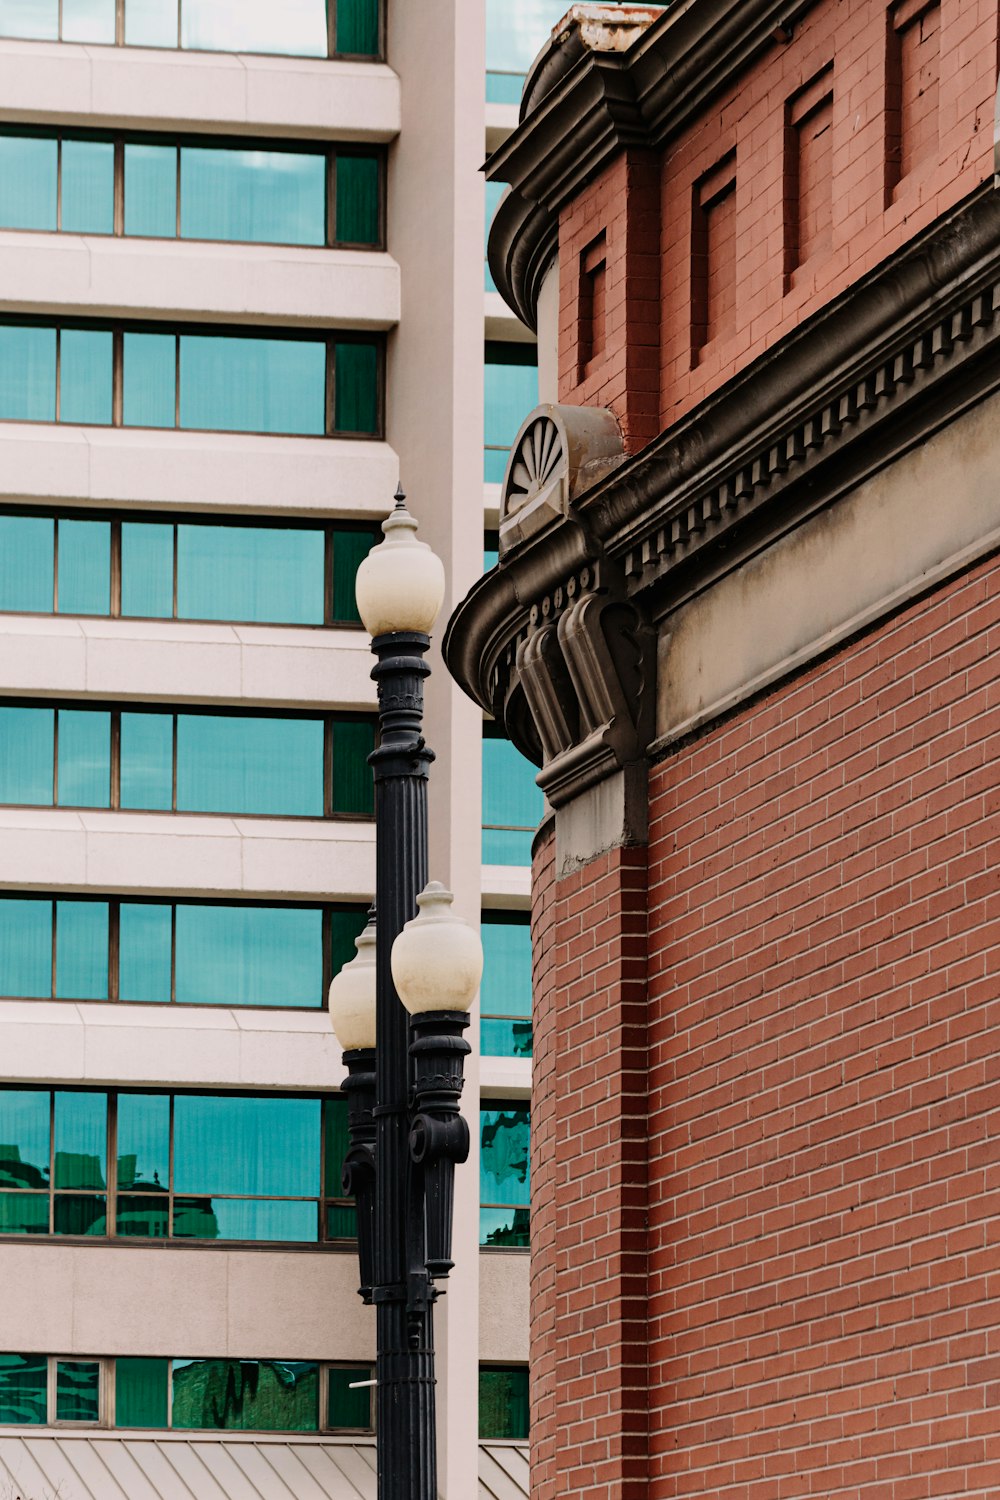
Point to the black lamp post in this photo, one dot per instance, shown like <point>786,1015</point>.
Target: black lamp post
<point>406,1133</point>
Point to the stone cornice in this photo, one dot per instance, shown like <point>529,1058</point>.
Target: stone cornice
<point>867,376</point>
<point>575,121</point>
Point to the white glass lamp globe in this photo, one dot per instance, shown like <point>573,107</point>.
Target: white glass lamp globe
<point>400,584</point>
<point>437,959</point>
<point>352,995</point>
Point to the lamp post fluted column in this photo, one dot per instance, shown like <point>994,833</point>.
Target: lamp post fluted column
<point>400,1020</point>
<point>404,1371</point>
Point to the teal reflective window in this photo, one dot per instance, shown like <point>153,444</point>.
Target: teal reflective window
<point>151,23</point>
<point>252,384</point>
<point>86,375</point>
<point>145,949</point>
<point>266,196</point>
<point>27,373</point>
<point>84,567</point>
<point>30,18</point>
<point>246,1147</point>
<point>147,569</point>
<point>149,380</point>
<point>494,192</point>
<point>27,737</point>
<point>24,1138</point>
<point>504,1175</point>
<point>505,993</point>
<point>78,1389</point>
<point>27,563</point>
<point>23,1387</point>
<point>81,1139</point>
<point>240,764</point>
<point>24,1213</point>
<point>150,187</point>
<point>141,1392</point>
<point>295,28</point>
<point>249,955</point>
<point>287,1220</point>
<point>510,393</point>
<point>503,1403</point>
<point>88,21</point>
<point>250,573</point>
<point>146,775</point>
<point>88,181</point>
<point>349,1403</point>
<point>84,771</point>
<point>29,178</point>
<point>357,200</point>
<point>355,388</point>
<point>358,28</point>
<point>81,950</point>
<point>25,949</point>
<point>512,803</point>
<point>237,1395</point>
<point>144,1142</point>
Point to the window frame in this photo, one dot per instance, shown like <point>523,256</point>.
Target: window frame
<point>330,529</point>
<point>327,909</point>
<point>111,1192</point>
<point>331,39</point>
<point>118,327</point>
<point>116,707</point>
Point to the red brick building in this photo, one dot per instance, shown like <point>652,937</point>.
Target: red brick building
<point>746,621</point>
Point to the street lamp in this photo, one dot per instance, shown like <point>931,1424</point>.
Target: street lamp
<point>404,1066</point>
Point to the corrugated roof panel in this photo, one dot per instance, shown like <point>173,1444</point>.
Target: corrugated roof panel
<point>115,1466</point>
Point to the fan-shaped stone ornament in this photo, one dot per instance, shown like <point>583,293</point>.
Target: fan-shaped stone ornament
<point>559,452</point>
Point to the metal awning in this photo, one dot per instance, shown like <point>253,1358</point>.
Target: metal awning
<point>64,1465</point>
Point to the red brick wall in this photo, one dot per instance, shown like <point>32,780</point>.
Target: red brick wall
<point>650,270</point>
<point>588,1196</point>
<point>824,1105</point>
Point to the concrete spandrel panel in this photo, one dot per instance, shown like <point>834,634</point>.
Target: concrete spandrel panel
<point>328,478</point>
<point>355,101</point>
<point>507,886</point>
<point>46,658</point>
<point>166,1300</point>
<point>505,1077</point>
<point>102,276</point>
<point>42,854</point>
<point>337,866</point>
<point>304,1303</point>
<point>504,1305</point>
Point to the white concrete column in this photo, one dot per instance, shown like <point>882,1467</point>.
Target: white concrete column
<point>435,423</point>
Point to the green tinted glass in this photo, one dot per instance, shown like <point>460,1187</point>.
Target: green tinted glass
<point>353,787</point>
<point>149,379</point>
<point>23,1389</point>
<point>358,27</point>
<point>151,23</point>
<point>355,387</point>
<point>505,992</point>
<point>266,196</point>
<point>512,802</point>
<point>350,548</point>
<point>503,1403</point>
<point>349,1409</point>
<point>504,1175</point>
<point>510,393</point>
<point>24,1213</point>
<point>88,21</point>
<point>78,1390</point>
<point>296,27</point>
<point>146,1217</point>
<point>80,1214</point>
<point>357,208</point>
<point>246,1146</point>
<point>335,1146</point>
<point>246,1395</point>
<point>345,926</point>
<point>141,1392</point>
<point>27,373</point>
<point>251,1219</point>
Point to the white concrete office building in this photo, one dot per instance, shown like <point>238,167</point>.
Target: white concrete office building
<point>241,293</point>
